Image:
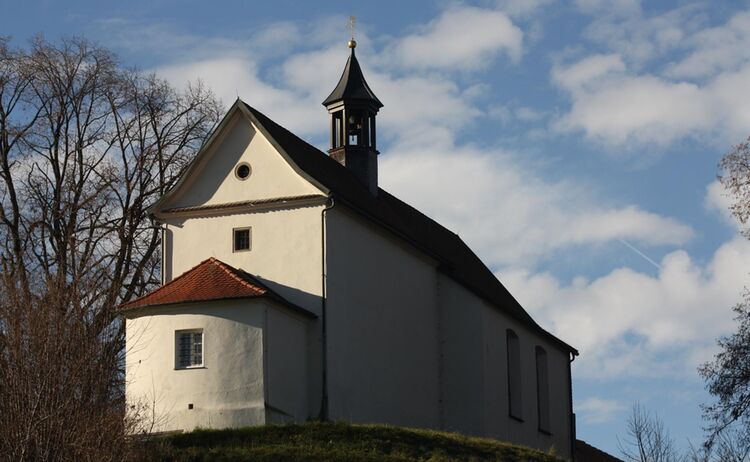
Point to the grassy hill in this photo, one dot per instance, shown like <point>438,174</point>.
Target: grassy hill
<point>334,442</point>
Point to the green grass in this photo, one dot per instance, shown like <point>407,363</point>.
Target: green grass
<point>335,442</point>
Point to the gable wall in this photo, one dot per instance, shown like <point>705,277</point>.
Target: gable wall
<point>286,249</point>
<point>212,181</point>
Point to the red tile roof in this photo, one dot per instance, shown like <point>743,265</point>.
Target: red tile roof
<point>211,279</point>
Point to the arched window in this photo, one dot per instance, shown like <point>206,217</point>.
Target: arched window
<point>542,389</point>
<point>514,375</point>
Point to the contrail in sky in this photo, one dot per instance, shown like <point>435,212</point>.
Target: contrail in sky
<point>645,257</point>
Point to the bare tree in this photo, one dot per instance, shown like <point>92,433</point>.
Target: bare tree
<point>735,177</point>
<point>85,148</point>
<point>728,380</point>
<point>647,439</point>
<point>728,375</point>
<point>733,446</point>
<point>729,446</point>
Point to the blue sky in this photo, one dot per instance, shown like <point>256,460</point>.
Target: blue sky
<point>573,145</point>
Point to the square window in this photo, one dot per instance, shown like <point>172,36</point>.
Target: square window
<point>241,239</point>
<point>189,345</point>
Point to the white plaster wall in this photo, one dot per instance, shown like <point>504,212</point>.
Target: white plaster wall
<point>214,182</point>
<point>228,391</point>
<point>476,381</point>
<point>463,368</point>
<point>286,242</point>
<point>497,421</point>
<point>383,354</point>
<point>286,366</point>
<point>254,366</point>
<point>286,249</point>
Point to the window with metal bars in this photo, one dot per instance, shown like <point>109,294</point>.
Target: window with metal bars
<point>189,348</point>
<point>241,239</point>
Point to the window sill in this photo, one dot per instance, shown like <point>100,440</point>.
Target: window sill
<point>189,368</point>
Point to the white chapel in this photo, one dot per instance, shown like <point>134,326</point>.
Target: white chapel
<point>295,288</point>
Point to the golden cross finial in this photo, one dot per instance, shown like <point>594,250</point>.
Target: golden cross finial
<point>351,26</point>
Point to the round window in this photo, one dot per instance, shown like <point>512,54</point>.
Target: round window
<point>242,171</point>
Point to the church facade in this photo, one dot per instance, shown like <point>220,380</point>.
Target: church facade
<point>294,288</point>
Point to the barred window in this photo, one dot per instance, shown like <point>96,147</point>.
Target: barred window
<point>241,239</point>
<point>189,345</point>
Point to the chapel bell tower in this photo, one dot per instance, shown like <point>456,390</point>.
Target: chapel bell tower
<point>353,107</point>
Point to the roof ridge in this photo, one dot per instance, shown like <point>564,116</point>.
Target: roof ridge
<point>253,202</point>
<point>211,280</point>
<point>323,155</point>
<point>123,305</point>
<point>230,270</point>
<point>403,202</point>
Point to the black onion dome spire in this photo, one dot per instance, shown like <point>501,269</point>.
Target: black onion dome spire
<point>353,107</point>
<point>352,85</point>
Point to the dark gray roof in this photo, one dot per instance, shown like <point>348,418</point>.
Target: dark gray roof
<point>352,86</point>
<point>586,453</point>
<point>456,258</point>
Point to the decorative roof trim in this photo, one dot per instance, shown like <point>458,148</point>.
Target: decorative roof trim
<point>258,205</point>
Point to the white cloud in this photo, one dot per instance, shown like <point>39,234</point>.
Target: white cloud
<point>522,8</point>
<point>619,108</point>
<point>588,71</point>
<point>623,28</point>
<point>612,105</point>
<point>461,38</point>
<point>716,49</point>
<point>719,201</point>
<point>703,96</point>
<point>415,104</point>
<point>595,410</point>
<point>608,7</point>
<point>231,76</point>
<point>627,323</point>
<point>507,213</point>
<point>419,107</point>
<point>528,114</point>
